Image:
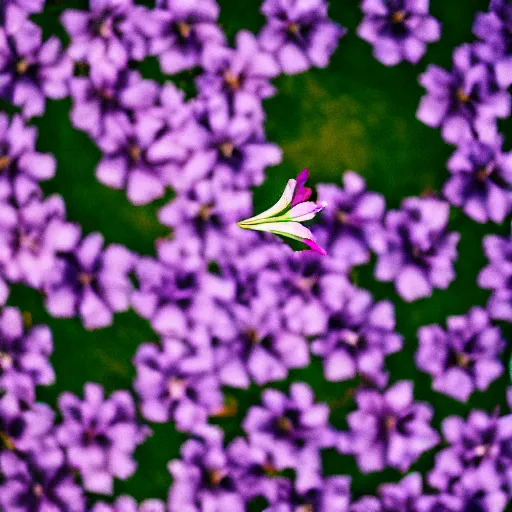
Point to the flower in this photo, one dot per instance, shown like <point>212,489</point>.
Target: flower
<point>128,504</point>
<point>388,429</point>
<point>37,482</point>
<point>91,282</point>
<point>497,276</point>
<point>464,102</point>
<point>240,73</point>
<point>481,181</point>
<point>202,478</point>
<point>183,30</point>
<point>350,221</point>
<point>464,357</point>
<point>398,29</point>
<point>299,34</point>
<point>31,71</point>
<point>108,35</point>
<point>24,353</point>
<point>331,495</point>
<point>103,105</point>
<point>292,430</point>
<point>31,234</point>
<point>415,250</point>
<point>99,436</point>
<point>176,380</point>
<point>284,221</point>
<point>358,337</point>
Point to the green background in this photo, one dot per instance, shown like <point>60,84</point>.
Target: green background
<point>356,114</point>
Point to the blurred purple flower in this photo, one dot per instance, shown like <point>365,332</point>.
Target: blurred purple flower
<point>31,234</point>
<point>183,29</point>
<point>464,102</point>
<point>494,28</point>
<point>90,281</point>
<point>108,35</point>
<point>240,73</point>
<point>19,158</point>
<point>208,211</point>
<point>234,148</point>
<point>103,106</point>
<point>398,29</point>
<point>359,335</point>
<point>257,347</point>
<point>128,504</point>
<point>24,352</point>
<point>389,429</point>
<point>40,481</point>
<point>331,495</point>
<point>497,276</point>
<point>176,381</point>
<point>482,442</point>
<point>464,357</point>
<point>481,181</point>
<point>292,431</point>
<point>349,220</point>
<point>299,34</point>
<point>99,436</point>
<point>31,71</point>
<point>415,250</point>
<point>202,478</point>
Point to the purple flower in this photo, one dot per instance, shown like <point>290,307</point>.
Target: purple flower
<point>128,504</point>
<point>91,282</point>
<point>40,481</point>
<point>14,13</point>
<point>240,73</point>
<point>331,495</point>
<point>208,211</point>
<point>183,30</point>
<point>464,102</point>
<point>292,430</point>
<point>299,34</point>
<point>31,71</point>
<point>24,353</point>
<point>257,347</point>
<point>481,443</point>
<point>202,478</point>
<point>359,335</point>
<point>31,234</point>
<point>481,181</point>
<point>398,29</point>
<point>464,357</point>
<point>103,106</point>
<point>24,428</point>
<point>176,381</point>
<point>351,216</point>
<point>108,35</point>
<point>389,429</point>
<point>497,276</point>
<point>20,163</point>
<point>235,148</point>
<point>99,436</point>
<point>494,29</point>
<point>415,250</point>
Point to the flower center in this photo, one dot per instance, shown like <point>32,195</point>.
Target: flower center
<point>483,174</point>
<point>21,66</point>
<point>252,334</point>
<point>205,212</point>
<point>398,16</point>
<point>305,508</point>
<point>294,28</point>
<point>269,468</point>
<point>106,94</point>
<point>227,148</point>
<point>105,29</point>
<point>342,217</point>
<point>5,161</point>
<point>462,96</point>
<point>390,423</point>
<point>463,360</point>
<point>184,29</point>
<point>28,242</point>
<point>232,80</point>
<point>5,361</point>
<point>135,153</point>
<point>284,425</point>
<point>176,388</point>
<point>352,338</point>
<point>85,279</point>
<point>38,490</point>
<point>6,441</point>
<point>482,450</point>
<point>215,477</point>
